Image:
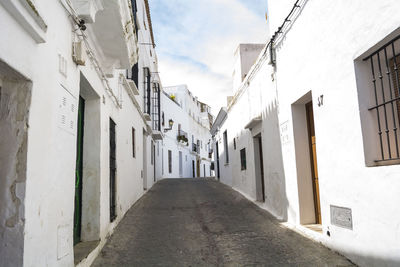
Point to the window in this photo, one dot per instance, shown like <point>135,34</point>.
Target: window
<point>234,143</point>
<point>378,84</point>
<point>146,89</point>
<point>133,74</point>
<point>155,114</point>
<point>226,147</point>
<point>133,143</point>
<point>134,11</point>
<point>169,161</point>
<point>243,159</point>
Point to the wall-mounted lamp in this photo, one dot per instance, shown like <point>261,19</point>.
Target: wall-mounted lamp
<point>82,25</point>
<point>170,123</point>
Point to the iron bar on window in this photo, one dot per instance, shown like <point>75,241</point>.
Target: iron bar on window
<point>386,91</point>
<point>156,107</point>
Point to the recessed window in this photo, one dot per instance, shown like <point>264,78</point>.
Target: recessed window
<point>234,143</point>
<point>146,90</point>
<point>243,165</point>
<point>378,85</point>
<point>156,106</point>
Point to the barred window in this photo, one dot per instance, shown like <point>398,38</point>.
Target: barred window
<point>155,114</point>
<point>133,74</point>
<point>380,96</point>
<point>147,90</point>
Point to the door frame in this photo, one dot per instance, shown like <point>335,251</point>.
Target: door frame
<point>113,170</point>
<point>77,229</point>
<point>259,167</point>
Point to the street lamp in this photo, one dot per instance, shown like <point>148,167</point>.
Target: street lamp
<point>170,123</point>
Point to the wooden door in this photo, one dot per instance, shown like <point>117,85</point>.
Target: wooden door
<point>198,168</point>
<point>313,160</point>
<point>78,173</point>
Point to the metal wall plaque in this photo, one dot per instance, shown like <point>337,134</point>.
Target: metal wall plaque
<point>341,217</point>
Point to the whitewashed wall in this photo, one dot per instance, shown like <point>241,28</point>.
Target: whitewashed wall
<point>318,56</point>
<point>178,111</point>
<point>48,203</point>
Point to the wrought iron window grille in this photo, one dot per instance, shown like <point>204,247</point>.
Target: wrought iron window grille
<point>147,90</point>
<point>384,64</point>
<point>155,114</point>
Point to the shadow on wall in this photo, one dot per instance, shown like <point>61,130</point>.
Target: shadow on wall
<point>276,199</point>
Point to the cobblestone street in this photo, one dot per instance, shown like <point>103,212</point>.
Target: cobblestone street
<point>199,222</point>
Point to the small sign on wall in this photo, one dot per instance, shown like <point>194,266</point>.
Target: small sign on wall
<point>284,132</point>
<point>67,111</point>
<point>341,217</point>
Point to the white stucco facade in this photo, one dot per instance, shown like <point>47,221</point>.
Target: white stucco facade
<point>42,79</point>
<point>191,119</point>
<point>319,57</point>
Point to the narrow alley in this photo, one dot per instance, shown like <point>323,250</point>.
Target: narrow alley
<point>200,222</point>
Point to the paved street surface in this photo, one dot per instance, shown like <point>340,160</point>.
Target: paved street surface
<point>199,222</point>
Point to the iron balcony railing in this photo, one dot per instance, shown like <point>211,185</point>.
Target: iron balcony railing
<point>182,136</point>
<point>385,64</point>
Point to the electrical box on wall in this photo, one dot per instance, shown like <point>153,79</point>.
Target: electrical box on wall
<point>78,53</point>
<point>341,217</point>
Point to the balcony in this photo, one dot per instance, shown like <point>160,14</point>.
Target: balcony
<point>119,44</point>
<point>182,137</point>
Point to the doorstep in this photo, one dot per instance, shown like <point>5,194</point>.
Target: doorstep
<point>83,249</point>
<point>314,227</point>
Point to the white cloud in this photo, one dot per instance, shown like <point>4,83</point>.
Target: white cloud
<point>196,41</point>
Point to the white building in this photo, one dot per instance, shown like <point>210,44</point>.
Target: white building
<point>187,144</point>
<point>312,131</point>
<point>77,139</point>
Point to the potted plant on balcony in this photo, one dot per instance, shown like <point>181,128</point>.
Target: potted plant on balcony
<point>183,140</point>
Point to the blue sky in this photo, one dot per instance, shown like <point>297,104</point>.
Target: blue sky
<point>196,41</point>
